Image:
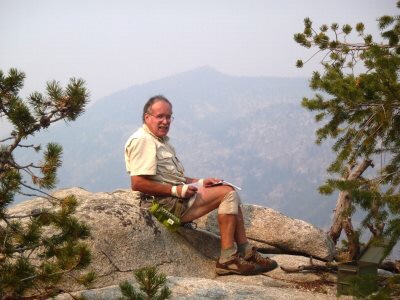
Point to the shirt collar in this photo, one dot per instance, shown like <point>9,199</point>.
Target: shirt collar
<point>163,139</point>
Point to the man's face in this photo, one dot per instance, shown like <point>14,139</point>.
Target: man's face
<point>159,118</point>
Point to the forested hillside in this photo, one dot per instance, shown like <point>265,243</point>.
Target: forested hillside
<point>251,131</point>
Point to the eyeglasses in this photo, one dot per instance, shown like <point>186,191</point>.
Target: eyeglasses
<point>168,118</point>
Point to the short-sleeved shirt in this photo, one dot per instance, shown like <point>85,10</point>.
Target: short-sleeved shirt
<point>147,154</point>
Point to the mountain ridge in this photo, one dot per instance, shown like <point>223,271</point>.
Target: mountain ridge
<point>250,131</point>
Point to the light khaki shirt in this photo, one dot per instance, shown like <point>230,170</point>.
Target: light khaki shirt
<point>147,154</point>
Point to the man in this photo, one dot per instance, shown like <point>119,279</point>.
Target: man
<point>157,173</point>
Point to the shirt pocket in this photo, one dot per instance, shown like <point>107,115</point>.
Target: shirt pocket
<point>165,162</point>
<point>178,164</point>
<point>168,163</point>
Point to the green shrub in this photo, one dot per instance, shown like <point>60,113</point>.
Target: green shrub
<point>149,283</point>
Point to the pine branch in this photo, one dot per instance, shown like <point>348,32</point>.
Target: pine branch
<point>24,168</point>
<point>382,178</point>
<point>28,195</point>
<point>26,146</point>
<point>49,275</point>
<point>40,191</point>
<point>36,127</point>
<point>10,225</point>
<point>26,248</point>
<point>315,54</point>
<point>22,241</point>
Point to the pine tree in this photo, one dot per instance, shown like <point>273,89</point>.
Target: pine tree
<point>150,284</point>
<point>358,104</point>
<point>39,248</point>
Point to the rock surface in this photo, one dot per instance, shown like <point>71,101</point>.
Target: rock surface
<point>273,285</point>
<point>125,237</point>
<point>237,287</point>
<point>268,226</point>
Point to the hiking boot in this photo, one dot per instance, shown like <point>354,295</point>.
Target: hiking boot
<point>266,264</point>
<point>236,265</point>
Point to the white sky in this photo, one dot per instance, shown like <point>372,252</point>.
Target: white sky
<point>117,44</point>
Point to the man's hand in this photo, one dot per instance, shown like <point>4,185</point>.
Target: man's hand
<point>212,182</point>
<point>191,190</point>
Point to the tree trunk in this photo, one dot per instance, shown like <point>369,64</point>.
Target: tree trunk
<point>343,203</point>
<point>352,239</point>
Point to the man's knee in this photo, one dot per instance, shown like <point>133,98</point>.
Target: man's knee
<point>229,204</point>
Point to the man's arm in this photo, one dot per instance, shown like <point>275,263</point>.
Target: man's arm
<point>145,185</point>
<point>205,181</point>
<point>191,180</point>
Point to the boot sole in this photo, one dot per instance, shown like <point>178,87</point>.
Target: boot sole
<point>222,272</point>
<point>270,269</point>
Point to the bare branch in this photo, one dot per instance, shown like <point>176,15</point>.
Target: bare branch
<point>6,139</point>
<point>29,195</point>
<point>26,146</point>
<point>56,273</point>
<point>315,268</point>
<point>310,58</point>
<point>37,190</point>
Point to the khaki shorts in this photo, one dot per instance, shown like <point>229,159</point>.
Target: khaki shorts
<point>175,205</point>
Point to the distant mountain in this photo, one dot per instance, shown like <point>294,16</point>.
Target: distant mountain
<point>250,131</point>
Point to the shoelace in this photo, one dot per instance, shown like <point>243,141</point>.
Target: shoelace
<point>258,258</point>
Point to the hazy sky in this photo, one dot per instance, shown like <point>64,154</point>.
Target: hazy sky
<point>117,44</point>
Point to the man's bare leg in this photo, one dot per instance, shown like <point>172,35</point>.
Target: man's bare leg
<point>231,230</point>
<point>240,232</point>
<point>231,226</point>
<point>209,199</point>
<point>227,228</point>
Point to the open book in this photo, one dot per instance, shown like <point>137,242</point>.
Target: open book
<point>221,182</point>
